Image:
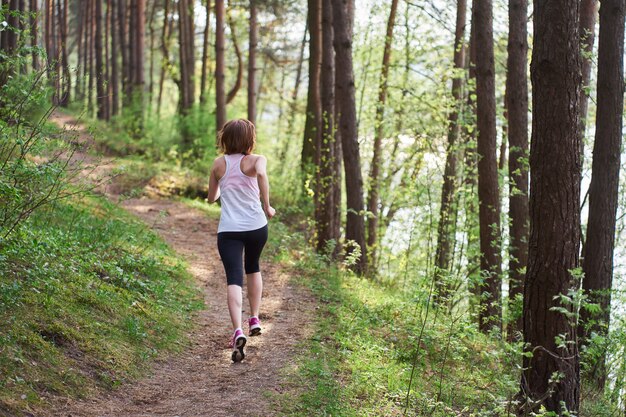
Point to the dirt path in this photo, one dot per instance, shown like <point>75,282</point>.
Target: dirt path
<point>202,381</point>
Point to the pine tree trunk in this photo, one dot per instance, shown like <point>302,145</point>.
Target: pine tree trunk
<point>325,207</point>
<point>355,223</point>
<point>136,58</point>
<point>471,175</point>
<point>252,62</point>
<point>517,111</point>
<point>115,83</point>
<point>603,191</point>
<point>151,29</point>
<point>64,66</point>
<point>187,67</point>
<point>374,186</point>
<point>34,32</point>
<point>86,49</point>
<point>100,64</point>
<point>122,14</point>
<point>445,231</point>
<point>186,50</point>
<point>220,94</point>
<point>205,53</point>
<point>313,123</point>
<point>488,193</point>
<point>587,33</point>
<point>555,172</point>
<point>165,39</point>
<point>239,78</point>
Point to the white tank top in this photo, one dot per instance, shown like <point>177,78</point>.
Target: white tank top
<point>240,199</point>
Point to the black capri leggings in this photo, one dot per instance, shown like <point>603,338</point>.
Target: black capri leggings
<point>232,245</point>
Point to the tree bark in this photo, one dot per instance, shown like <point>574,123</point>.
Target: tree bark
<point>355,223</point>
<point>374,186</point>
<point>34,32</point>
<point>517,112</point>
<point>587,33</point>
<point>470,173</point>
<point>239,79</point>
<point>165,39</point>
<point>326,207</point>
<point>152,31</point>
<point>205,53</point>
<point>313,123</point>
<point>115,84</point>
<point>220,95</point>
<point>488,193</point>
<point>124,50</point>
<point>603,191</point>
<point>63,53</point>
<point>555,172</point>
<point>447,219</point>
<point>252,62</point>
<point>186,53</point>
<point>186,84</point>
<point>101,103</point>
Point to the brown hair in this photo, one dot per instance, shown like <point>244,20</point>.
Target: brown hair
<point>237,136</point>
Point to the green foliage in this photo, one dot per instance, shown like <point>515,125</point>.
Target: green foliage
<point>87,296</point>
<point>360,358</point>
<point>30,175</point>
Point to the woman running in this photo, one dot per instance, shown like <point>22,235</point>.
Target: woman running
<point>239,180</point>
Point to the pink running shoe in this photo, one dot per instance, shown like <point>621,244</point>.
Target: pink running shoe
<point>237,343</point>
<point>254,325</point>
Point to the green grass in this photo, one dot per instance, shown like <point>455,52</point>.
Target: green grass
<point>360,359</point>
<point>88,296</point>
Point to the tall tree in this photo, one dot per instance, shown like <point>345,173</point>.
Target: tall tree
<point>355,223</point>
<point>230,96</point>
<point>313,124</point>
<point>151,48</point>
<point>186,53</point>
<point>205,52</point>
<point>555,172</point>
<point>517,111</point>
<point>166,36</point>
<point>252,62</point>
<point>115,83</point>
<point>587,33</point>
<point>51,50</point>
<point>374,186</point>
<point>488,192</point>
<point>62,48</point>
<point>220,94</point>
<point>326,207</point>
<point>90,50</point>
<point>603,191</point>
<point>34,32</point>
<point>100,81</point>
<point>122,14</point>
<point>445,231</point>
<point>186,83</point>
<point>137,49</point>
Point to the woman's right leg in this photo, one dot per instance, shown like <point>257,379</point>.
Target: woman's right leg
<point>255,242</point>
<point>255,291</point>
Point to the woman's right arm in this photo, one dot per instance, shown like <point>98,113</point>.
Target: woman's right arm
<point>214,187</point>
<point>264,185</point>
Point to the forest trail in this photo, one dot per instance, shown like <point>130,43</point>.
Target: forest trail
<point>202,380</point>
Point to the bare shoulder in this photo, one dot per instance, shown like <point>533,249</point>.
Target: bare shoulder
<point>258,158</point>
<point>219,166</point>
